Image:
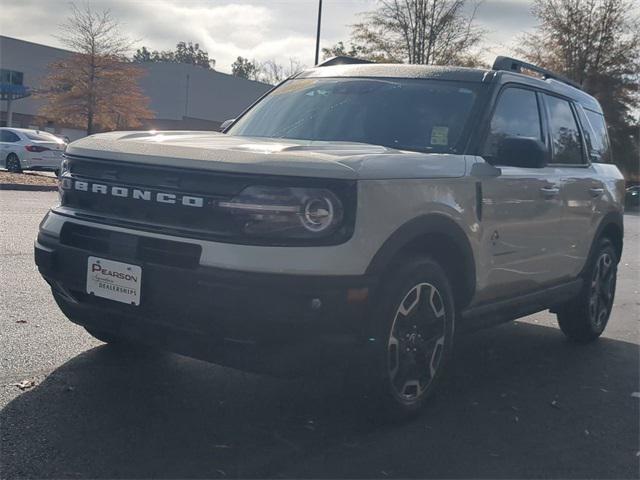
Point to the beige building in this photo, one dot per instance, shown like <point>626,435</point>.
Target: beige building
<point>183,97</point>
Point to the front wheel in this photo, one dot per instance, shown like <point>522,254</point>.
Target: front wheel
<point>584,318</point>
<point>415,321</point>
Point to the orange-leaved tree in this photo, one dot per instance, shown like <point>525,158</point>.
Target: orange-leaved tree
<point>95,87</point>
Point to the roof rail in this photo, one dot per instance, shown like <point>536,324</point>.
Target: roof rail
<point>342,60</point>
<point>515,65</point>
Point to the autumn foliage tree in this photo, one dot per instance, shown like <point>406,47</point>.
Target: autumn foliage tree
<point>96,86</point>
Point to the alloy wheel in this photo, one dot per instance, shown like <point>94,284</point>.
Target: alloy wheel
<point>601,294</point>
<point>416,341</point>
<point>13,163</point>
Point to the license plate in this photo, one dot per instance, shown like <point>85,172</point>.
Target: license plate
<point>114,280</point>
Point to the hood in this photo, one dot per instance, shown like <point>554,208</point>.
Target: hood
<point>265,156</point>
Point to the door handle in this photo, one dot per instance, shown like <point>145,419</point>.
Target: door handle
<point>596,192</point>
<point>549,192</point>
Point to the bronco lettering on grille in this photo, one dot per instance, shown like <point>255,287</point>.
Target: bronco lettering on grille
<point>133,193</point>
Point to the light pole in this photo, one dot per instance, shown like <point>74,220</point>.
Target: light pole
<point>318,31</point>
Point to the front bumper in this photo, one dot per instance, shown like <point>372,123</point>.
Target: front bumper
<point>273,323</point>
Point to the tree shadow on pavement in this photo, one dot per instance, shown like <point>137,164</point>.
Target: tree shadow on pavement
<point>520,402</point>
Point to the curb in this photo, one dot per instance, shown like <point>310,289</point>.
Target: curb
<point>28,188</point>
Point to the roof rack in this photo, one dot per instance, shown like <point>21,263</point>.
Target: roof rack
<point>342,60</point>
<point>515,65</point>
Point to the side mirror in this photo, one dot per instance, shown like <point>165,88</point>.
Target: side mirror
<point>226,124</point>
<point>523,152</point>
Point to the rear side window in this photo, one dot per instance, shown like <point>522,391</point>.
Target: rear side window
<point>7,136</point>
<point>595,131</point>
<point>516,115</point>
<point>565,136</point>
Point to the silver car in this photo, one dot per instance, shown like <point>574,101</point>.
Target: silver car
<point>26,149</point>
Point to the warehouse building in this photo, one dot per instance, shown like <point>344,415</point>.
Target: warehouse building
<point>183,97</point>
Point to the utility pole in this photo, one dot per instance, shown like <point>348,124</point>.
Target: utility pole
<point>318,32</point>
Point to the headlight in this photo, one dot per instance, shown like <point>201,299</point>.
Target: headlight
<point>286,212</point>
<point>64,170</point>
<point>317,214</point>
<point>64,167</point>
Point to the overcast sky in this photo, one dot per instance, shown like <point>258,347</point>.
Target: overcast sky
<point>260,29</point>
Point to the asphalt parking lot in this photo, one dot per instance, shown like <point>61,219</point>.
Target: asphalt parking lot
<point>520,401</point>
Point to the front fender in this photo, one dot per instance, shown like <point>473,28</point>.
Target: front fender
<point>438,226</point>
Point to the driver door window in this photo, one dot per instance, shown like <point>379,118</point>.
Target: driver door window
<point>516,115</point>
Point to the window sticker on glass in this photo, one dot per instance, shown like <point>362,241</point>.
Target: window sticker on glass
<point>440,135</point>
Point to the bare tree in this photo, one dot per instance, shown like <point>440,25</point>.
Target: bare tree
<point>596,43</point>
<point>94,33</point>
<point>419,31</point>
<point>273,72</point>
<point>96,86</point>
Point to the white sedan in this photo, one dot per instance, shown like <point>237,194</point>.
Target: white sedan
<point>24,149</point>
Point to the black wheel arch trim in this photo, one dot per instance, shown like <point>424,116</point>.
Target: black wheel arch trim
<point>434,223</point>
<point>612,219</point>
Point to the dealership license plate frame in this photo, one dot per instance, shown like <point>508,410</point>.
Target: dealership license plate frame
<point>117,281</point>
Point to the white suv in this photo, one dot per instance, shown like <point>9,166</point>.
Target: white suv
<point>25,149</point>
<point>353,218</point>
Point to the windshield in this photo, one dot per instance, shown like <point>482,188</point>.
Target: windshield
<point>410,114</point>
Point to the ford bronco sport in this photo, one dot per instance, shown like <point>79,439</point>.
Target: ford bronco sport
<point>355,216</point>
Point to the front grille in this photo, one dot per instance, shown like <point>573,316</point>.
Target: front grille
<point>164,178</point>
<point>211,187</point>
<point>130,247</point>
<point>207,188</point>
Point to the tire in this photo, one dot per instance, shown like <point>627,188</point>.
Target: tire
<point>584,318</point>
<point>13,163</point>
<point>414,321</point>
